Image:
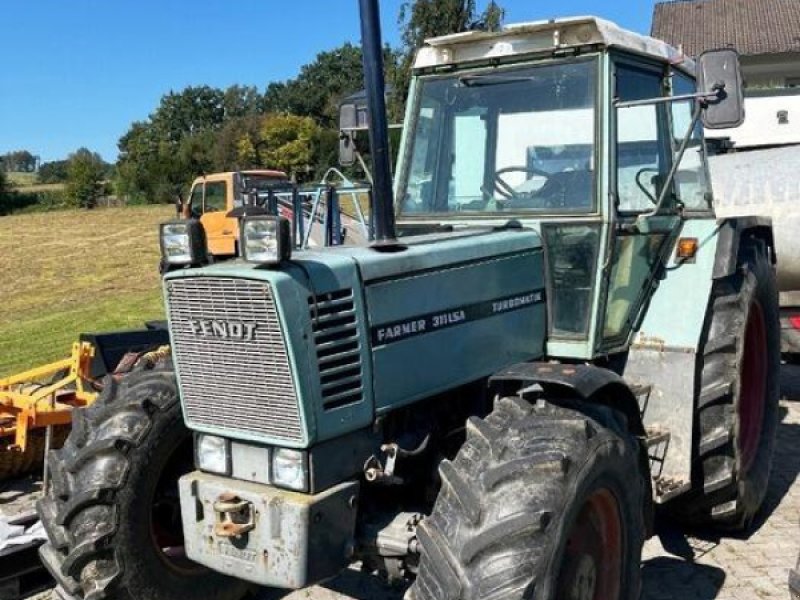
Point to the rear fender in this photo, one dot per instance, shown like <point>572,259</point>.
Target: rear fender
<point>731,233</point>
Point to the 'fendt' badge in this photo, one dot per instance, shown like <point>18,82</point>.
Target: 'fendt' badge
<point>224,330</point>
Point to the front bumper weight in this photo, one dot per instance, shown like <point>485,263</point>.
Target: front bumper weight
<point>265,535</point>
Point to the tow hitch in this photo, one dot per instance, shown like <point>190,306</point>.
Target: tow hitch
<point>234,516</point>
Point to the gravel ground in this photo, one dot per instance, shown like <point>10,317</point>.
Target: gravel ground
<point>677,565</point>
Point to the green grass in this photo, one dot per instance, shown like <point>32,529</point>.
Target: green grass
<point>22,179</point>
<point>63,273</point>
<point>35,188</point>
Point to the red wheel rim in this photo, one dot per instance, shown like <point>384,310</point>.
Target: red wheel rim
<point>166,527</point>
<point>591,567</point>
<point>753,386</point>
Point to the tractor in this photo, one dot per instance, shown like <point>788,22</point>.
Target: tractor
<point>550,336</point>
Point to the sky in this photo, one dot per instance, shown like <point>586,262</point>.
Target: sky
<point>79,72</point>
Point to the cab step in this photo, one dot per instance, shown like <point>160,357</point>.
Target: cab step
<point>667,488</point>
<point>642,394</point>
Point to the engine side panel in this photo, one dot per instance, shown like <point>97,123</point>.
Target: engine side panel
<point>435,330</point>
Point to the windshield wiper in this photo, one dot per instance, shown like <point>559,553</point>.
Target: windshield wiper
<point>487,80</point>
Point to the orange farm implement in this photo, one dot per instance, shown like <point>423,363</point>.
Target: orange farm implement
<point>36,409</point>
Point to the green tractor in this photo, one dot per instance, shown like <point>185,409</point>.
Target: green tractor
<point>550,335</point>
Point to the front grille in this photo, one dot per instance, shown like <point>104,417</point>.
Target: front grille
<point>338,349</point>
<point>233,377</point>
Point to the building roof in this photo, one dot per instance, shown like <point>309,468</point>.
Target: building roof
<point>751,26</point>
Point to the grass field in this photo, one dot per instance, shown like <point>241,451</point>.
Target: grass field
<point>35,188</point>
<point>22,179</point>
<point>63,273</point>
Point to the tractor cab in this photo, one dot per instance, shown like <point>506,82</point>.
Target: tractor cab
<point>213,196</point>
<point>584,132</point>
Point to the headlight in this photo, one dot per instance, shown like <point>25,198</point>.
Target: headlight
<point>213,454</point>
<point>183,242</point>
<point>289,469</point>
<point>266,239</point>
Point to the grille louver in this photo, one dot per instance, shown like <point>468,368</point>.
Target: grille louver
<point>238,385</point>
<point>335,326</point>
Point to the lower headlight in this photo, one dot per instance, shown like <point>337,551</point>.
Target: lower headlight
<point>289,469</point>
<point>212,454</point>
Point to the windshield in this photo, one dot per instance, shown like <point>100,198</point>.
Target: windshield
<point>260,182</point>
<point>516,140</point>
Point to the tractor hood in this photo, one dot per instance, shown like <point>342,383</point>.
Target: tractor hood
<point>321,345</point>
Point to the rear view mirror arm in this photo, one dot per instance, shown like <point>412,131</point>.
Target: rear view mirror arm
<point>702,98</point>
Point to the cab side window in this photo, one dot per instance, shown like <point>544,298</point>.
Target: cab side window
<point>643,159</point>
<point>215,197</point>
<point>691,180</point>
<point>196,199</point>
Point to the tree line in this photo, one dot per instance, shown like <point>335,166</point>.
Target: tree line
<point>19,161</point>
<point>292,125</point>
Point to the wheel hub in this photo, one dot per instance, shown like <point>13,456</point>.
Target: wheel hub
<point>585,579</point>
<point>591,566</point>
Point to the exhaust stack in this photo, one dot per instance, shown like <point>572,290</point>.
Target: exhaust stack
<point>382,194</point>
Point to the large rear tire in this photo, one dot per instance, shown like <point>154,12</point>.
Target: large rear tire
<point>541,502</point>
<point>112,513</point>
<point>738,397</point>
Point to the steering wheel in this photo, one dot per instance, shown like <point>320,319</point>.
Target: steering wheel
<point>641,186</point>
<point>504,188</point>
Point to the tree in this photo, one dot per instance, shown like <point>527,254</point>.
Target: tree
<point>20,161</point>
<point>285,142</point>
<point>225,152</point>
<point>187,112</point>
<point>423,19</point>
<point>321,85</point>
<point>53,171</point>
<point>240,101</point>
<point>85,178</point>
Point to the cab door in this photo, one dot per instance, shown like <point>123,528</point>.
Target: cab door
<point>221,231</point>
<point>642,154</point>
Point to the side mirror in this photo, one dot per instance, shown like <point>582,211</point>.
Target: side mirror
<point>719,72</point>
<point>348,121</point>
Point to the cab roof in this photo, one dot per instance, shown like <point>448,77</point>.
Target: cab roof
<point>539,36</point>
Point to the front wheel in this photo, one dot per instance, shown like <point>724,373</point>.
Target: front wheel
<point>112,513</point>
<point>541,502</point>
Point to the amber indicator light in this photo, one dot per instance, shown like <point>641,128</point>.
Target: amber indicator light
<point>687,248</point>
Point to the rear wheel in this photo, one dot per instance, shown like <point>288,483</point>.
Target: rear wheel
<point>541,502</point>
<point>738,398</point>
<point>112,513</point>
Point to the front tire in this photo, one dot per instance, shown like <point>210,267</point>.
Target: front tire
<point>541,502</point>
<point>112,514</point>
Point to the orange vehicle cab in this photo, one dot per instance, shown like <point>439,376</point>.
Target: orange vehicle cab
<point>213,196</point>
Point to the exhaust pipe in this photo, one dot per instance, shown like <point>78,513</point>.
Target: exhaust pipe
<point>382,194</point>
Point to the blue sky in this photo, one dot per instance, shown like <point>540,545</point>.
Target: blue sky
<point>77,73</point>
